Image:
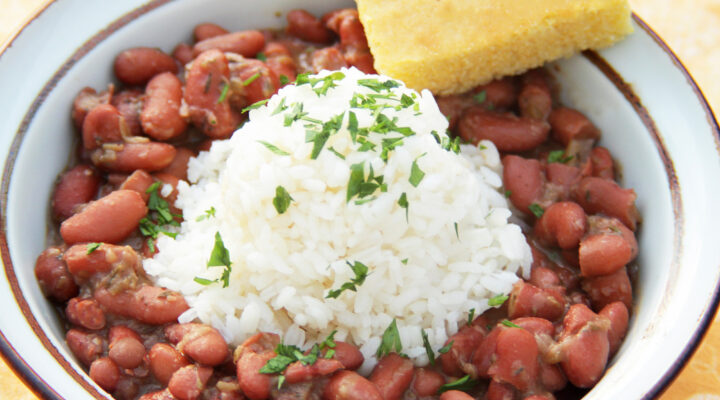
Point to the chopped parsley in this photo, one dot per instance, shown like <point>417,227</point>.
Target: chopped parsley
<point>92,247</point>
<point>159,216</point>
<point>319,137</point>
<point>378,86</point>
<point>223,93</point>
<point>284,80</point>
<point>497,300</point>
<point>274,148</point>
<point>404,261</point>
<point>261,56</point>
<point>210,212</point>
<point>363,187</point>
<point>428,348</point>
<point>510,324</point>
<point>360,270</point>
<point>463,384</point>
<point>471,316</point>
<point>446,348</point>
<point>337,153</point>
<point>536,209</point>
<point>255,105</point>
<point>403,203</point>
<point>287,354</point>
<point>282,199</point>
<point>480,97</point>
<point>390,341</point>
<point>416,174</point>
<point>281,107</point>
<point>508,193</point>
<point>558,156</point>
<point>327,82</point>
<point>251,79</point>
<point>457,234</point>
<point>219,257</point>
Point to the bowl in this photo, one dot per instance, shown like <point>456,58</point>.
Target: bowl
<point>654,120</point>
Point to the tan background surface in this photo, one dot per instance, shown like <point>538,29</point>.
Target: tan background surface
<point>691,28</point>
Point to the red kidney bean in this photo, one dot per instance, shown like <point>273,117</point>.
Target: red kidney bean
<point>87,347</point>
<point>457,361</point>
<point>536,326</point>
<point>129,103</point>
<point>105,373</point>
<point>208,30</point>
<point>139,181</point>
<point>452,106</point>
<point>607,289</point>
<point>585,346</point>
<point>349,356</point>
<point>548,396</point>
<point>497,391</point>
<point>536,76</point>
<point>150,304</point>
<point>427,382</point>
<point>188,382</point>
<point>485,353</point>
<point>178,166</point>
<point>602,163</point>
<point>160,114</point>
<point>255,386</point>
<point>298,372</point>
<point>499,93</point>
<point>128,157</point>
<point>53,276</point>
<point>562,178</point>
<point>306,26</point>
<point>545,278</point>
<point>598,224</point>
<point>598,195</point>
<point>159,395</point>
<point>86,313</point>
<point>455,395</point>
<point>280,61</point>
<point>245,43</point>
<point>136,66</point>
<point>523,178</point>
<point>517,359</point>
<point>109,219</point>
<point>86,100</point>
<point>250,81</point>
<point>200,342</point>
<point>552,377</point>
<point>258,343</point>
<point>603,254</point>
<point>205,79</point>
<point>360,58</point>
<point>346,23</point>
<point>507,131</point>
<point>568,124</point>
<point>527,300</point>
<point>127,352</point>
<point>349,385</point>
<point>164,360</point>
<point>535,102</point>
<point>618,315</point>
<point>183,53</point>
<point>328,58</point>
<point>118,332</point>
<point>103,124</point>
<point>562,224</point>
<point>103,259</point>
<point>392,376</point>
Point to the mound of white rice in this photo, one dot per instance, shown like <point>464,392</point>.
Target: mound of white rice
<point>449,252</point>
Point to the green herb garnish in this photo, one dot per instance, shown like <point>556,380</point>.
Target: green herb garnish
<point>255,105</point>
<point>208,213</point>
<point>480,97</point>
<point>403,203</point>
<point>558,156</point>
<point>536,209</point>
<point>92,247</point>
<point>284,80</point>
<point>416,174</point>
<point>223,93</point>
<point>390,340</point>
<point>219,257</point>
<point>274,148</point>
<point>471,315</point>
<point>510,324</point>
<point>497,300</point>
<point>251,79</point>
<point>282,199</point>
<point>446,348</point>
<point>261,56</point>
<point>463,384</point>
<point>428,348</point>
<point>360,270</point>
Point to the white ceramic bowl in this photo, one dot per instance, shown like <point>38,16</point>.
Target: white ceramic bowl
<point>653,117</point>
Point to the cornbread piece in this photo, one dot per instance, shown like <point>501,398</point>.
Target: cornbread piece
<point>450,46</point>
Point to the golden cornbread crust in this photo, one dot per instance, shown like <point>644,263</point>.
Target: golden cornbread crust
<point>451,46</point>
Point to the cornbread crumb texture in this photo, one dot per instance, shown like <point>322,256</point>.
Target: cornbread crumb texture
<point>450,46</point>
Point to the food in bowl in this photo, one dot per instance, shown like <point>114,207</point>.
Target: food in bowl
<point>128,200</point>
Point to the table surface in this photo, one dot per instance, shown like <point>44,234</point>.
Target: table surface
<point>690,27</point>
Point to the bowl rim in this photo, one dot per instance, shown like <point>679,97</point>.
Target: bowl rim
<point>43,390</point>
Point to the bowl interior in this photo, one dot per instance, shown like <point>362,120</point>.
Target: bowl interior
<point>670,267</point>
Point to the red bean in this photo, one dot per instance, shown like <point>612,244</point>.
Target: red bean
<point>200,342</point>
<point>327,58</point>
<point>618,315</point>
<point>568,124</point>
<point>164,360</point>
<point>103,124</point>
<point>527,300</point>
<point>536,326</point>
<point>346,23</point>
<point>507,131</point>
<point>207,30</point>
<point>349,385</point>
<point>607,289</point>
<point>105,373</point>
<point>188,382</point>
<point>585,346</point>
<point>563,178</point>
<point>86,100</point>
<point>552,377</point>
<point>128,157</point>
<point>258,343</point>
<point>255,386</point>
<point>53,276</point>
<point>544,278</point>
<point>139,181</point>
<point>535,102</point>
<point>159,395</point>
<point>523,178</point>
<point>562,224</point>
<point>306,26</point>
<point>245,43</point>
<point>602,163</point>
<point>485,352</point>
<point>109,219</point>
<point>298,372</point>
<point>251,81</point>
<point>85,260</point>
<point>452,106</point>
<point>598,195</point>
<point>517,359</point>
<point>148,304</point>
<point>392,375</point>
<point>183,53</point>
<point>456,362</point>
<point>129,103</point>
<point>499,94</point>
<point>598,224</point>
<point>160,114</point>
<point>178,166</point>
<point>118,332</point>
<point>136,66</point>
<point>280,61</point>
<point>603,254</point>
<point>349,355</point>
<point>86,346</point>
<point>127,352</point>
<point>455,395</point>
<point>86,313</point>
<point>205,79</point>
<point>427,382</point>
<point>498,391</point>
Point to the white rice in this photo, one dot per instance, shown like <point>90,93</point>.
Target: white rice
<point>284,265</point>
